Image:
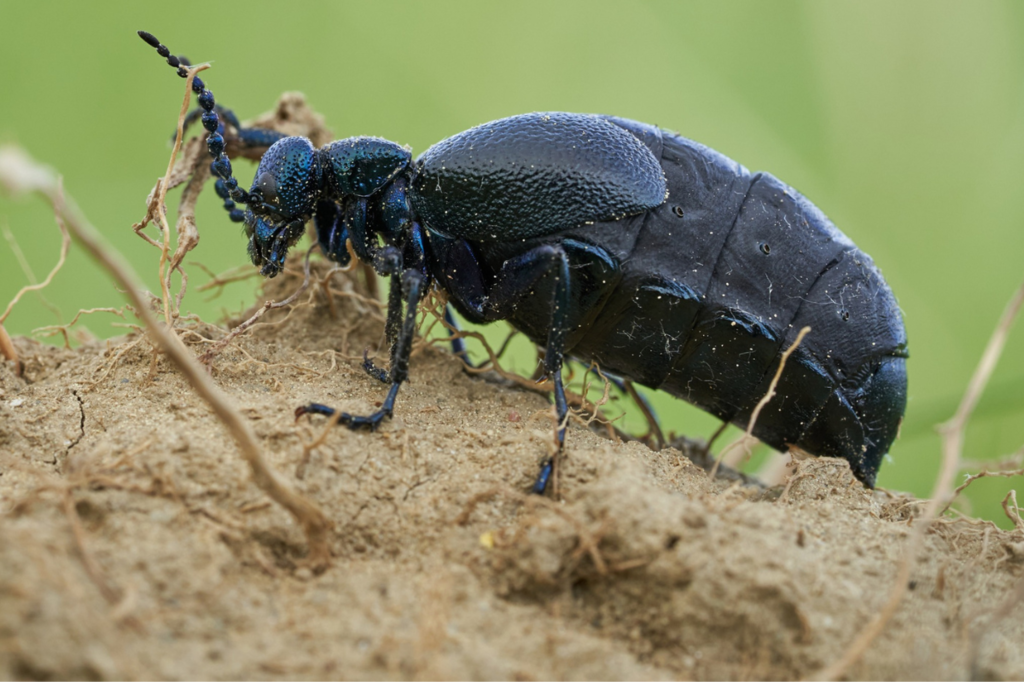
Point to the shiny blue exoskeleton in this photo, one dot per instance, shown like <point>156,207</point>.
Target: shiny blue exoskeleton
<point>610,240</point>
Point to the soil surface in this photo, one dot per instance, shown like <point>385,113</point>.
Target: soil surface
<point>133,543</point>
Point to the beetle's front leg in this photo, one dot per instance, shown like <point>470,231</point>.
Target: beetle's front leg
<point>388,262</point>
<point>413,284</point>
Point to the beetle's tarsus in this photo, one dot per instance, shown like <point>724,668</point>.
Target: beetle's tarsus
<point>540,486</point>
<point>378,373</point>
<point>354,422</point>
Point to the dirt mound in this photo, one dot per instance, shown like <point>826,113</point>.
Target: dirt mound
<point>134,544</point>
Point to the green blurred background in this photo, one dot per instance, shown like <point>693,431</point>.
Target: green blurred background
<point>903,121</point>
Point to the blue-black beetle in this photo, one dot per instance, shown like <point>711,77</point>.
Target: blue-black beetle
<point>603,239</point>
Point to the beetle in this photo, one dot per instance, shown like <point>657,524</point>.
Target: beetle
<point>601,239</point>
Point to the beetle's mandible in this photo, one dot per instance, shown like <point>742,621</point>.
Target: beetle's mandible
<point>601,239</point>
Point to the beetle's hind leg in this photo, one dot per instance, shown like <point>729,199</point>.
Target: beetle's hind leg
<point>517,277</point>
<point>549,467</point>
<point>578,276</point>
<point>458,345</point>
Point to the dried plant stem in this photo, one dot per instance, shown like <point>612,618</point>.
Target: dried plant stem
<point>111,594</point>
<point>7,346</point>
<point>974,477</point>
<point>34,286</point>
<point>307,448</point>
<point>748,435</point>
<point>27,269</point>
<point>1012,509</point>
<point>161,213</point>
<point>20,173</point>
<point>65,243</point>
<point>216,348</point>
<point>236,274</point>
<point>542,387</point>
<point>653,427</point>
<point>952,433</point>
<point>62,329</point>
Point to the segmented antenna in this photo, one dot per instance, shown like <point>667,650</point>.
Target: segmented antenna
<point>226,186</point>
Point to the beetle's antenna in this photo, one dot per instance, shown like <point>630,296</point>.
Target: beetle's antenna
<point>226,186</point>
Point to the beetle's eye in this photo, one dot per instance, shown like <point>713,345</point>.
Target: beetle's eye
<point>765,249</point>
<point>267,184</point>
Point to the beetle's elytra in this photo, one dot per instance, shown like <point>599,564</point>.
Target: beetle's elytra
<point>602,239</point>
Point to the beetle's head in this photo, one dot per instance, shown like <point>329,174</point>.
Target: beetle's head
<point>282,199</point>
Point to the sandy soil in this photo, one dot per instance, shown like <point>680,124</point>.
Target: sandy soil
<point>133,543</point>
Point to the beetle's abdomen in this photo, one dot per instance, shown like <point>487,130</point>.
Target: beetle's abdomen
<point>719,281</point>
<point>533,175</point>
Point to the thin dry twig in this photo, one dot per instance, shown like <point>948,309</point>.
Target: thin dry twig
<point>124,350</point>
<point>602,401</point>
<point>216,348</point>
<point>12,242</point>
<point>166,262</point>
<point>952,433</point>
<point>188,168</point>
<point>793,478</point>
<point>188,233</point>
<point>653,428</point>
<point>6,345</point>
<point>736,453</point>
<point>236,274</point>
<point>1012,509</point>
<point>307,448</point>
<point>19,173</point>
<point>116,598</point>
<point>65,243</point>
<point>974,477</point>
<point>184,169</point>
<point>588,542</point>
<point>762,402</point>
<point>542,387</point>
<point>62,329</point>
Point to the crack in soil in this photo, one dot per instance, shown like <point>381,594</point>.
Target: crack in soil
<point>81,423</point>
